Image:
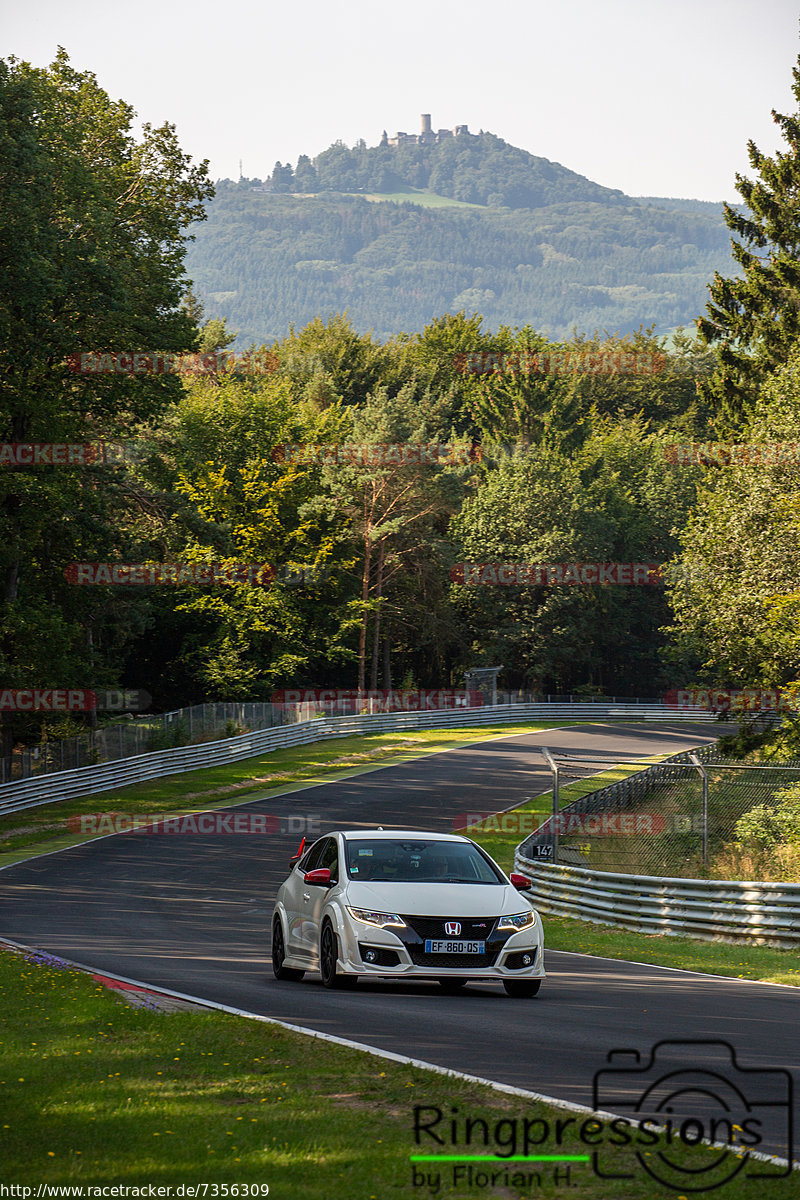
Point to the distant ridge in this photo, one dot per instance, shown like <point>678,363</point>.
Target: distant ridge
<point>675,205</point>
<point>522,241</point>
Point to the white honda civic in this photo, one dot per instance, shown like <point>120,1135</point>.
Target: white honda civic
<point>408,905</point>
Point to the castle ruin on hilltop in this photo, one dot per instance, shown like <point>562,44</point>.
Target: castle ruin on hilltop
<point>426,135</point>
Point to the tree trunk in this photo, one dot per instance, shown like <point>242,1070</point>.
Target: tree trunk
<point>376,633</point>
<point>6,747</point>
<point>92,716</point>
<point>362,634</point>
<point>387,659</point>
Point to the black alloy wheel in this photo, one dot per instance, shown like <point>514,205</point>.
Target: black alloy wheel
<point>279,955</point>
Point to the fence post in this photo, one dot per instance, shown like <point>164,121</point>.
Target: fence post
<point>704,773</point>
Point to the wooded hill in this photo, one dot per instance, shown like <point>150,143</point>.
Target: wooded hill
<point>396,236</point>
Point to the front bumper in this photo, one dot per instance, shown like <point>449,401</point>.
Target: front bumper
<point>369,950</point>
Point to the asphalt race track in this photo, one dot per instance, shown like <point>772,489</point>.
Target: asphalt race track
<point>193,913</point>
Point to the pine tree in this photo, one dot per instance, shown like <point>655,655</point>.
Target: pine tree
<point>753,321</point>
<point>282,178</point>
<point>305,177</point>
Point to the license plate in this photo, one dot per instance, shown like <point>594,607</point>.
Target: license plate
<point>449,946</point>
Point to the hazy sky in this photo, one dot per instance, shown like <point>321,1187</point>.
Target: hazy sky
<point>656,97</point>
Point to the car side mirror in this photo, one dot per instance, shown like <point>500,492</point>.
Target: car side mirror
<point>295,859</point>
<point>520,882</point>
<point>321,877</point>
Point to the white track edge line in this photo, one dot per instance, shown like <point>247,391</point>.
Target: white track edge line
<point>376,1052</point>
<point>633,962</point>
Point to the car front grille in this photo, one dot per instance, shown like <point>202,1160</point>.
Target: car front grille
<point>474,929</point>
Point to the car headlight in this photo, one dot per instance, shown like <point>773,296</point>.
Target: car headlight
<point>381,919</point>
<point>517,920</point>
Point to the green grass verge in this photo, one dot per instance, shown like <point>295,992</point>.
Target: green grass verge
<point>45,828</point>
<point>717,958</point>
<point>97,1092</point>
<point>417,196</point>
<point>764,963</point>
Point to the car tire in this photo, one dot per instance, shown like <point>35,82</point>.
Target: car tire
<point>279,955</point>
<point>328,955</point>
<point>522,988</point>
<point>452,985</point>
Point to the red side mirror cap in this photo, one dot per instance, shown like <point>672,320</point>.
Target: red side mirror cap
<point>521,882</point>
<point>321,877</point>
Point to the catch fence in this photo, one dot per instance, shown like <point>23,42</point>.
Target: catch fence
<point>669,820</point>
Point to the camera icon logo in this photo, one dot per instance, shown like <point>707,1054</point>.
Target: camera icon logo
<point>696,1092</point>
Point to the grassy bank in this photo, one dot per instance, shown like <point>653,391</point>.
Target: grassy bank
<point>98,1092</point>
<point>688,954</point>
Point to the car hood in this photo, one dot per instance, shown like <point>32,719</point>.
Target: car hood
<point>437,899</point>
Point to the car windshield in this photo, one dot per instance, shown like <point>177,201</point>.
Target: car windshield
<point>418,861</point>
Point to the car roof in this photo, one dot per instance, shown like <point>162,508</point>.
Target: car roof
<point>395,834</point>
<point>400,835</point>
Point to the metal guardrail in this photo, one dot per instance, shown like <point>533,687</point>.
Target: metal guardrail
<point>84,781</point>
<point>130,736</point>
<point>712,910</point>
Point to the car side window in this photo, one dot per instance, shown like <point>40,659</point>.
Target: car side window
<point>330,858</point>
<point>310,860</point>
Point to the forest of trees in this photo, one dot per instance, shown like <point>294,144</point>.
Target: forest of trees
<point>264,262</point>
<point>473,168</point>
<point>591,478</point>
